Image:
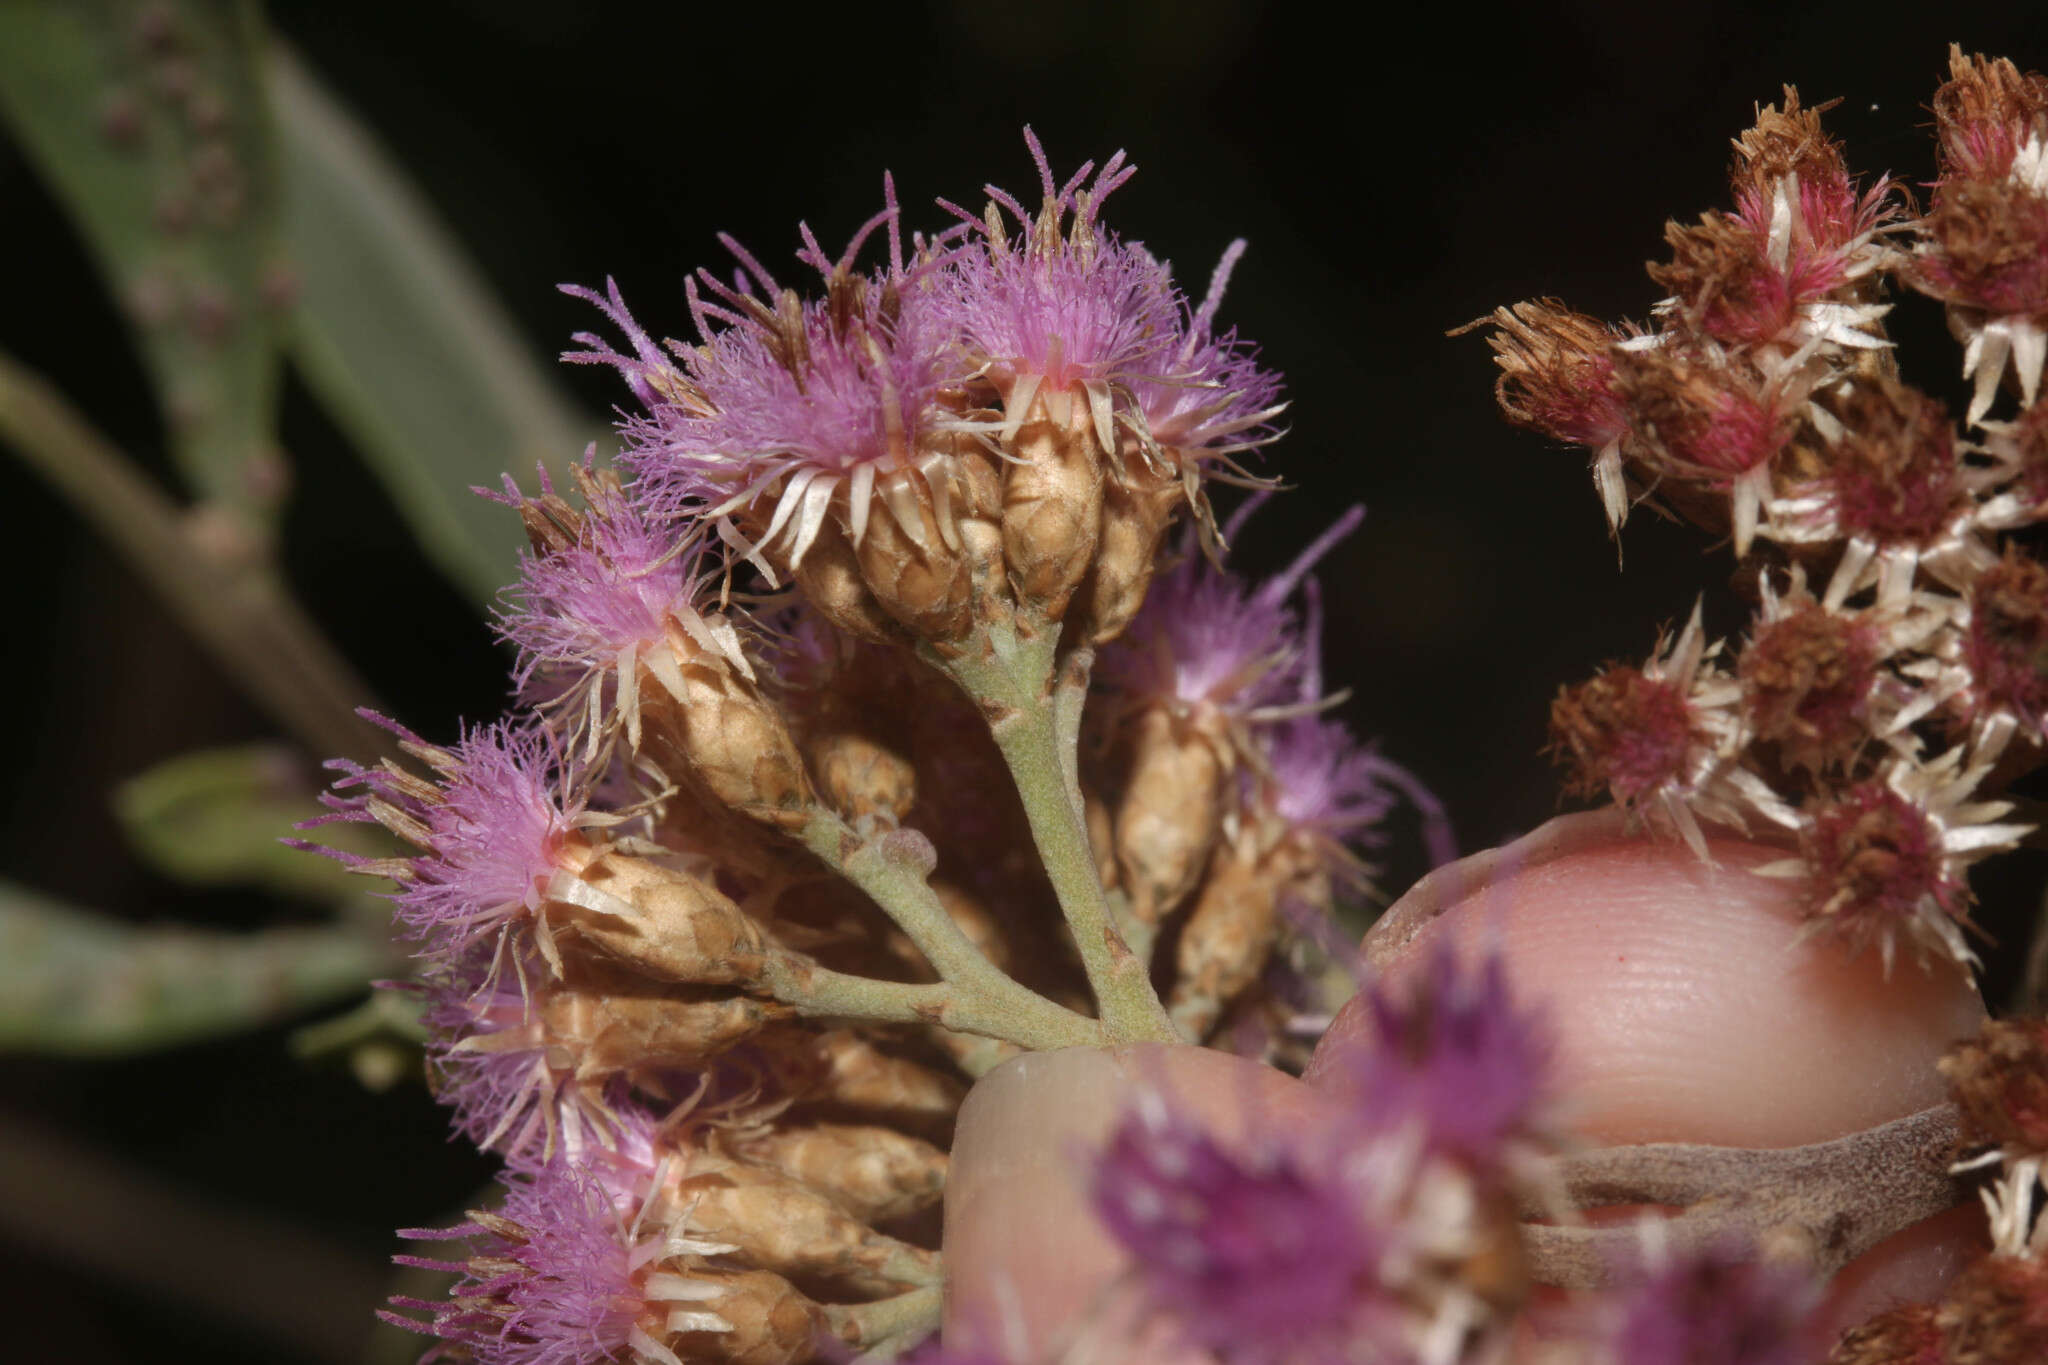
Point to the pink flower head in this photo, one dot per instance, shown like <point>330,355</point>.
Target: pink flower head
<point>615,582</point>
<point>490,825</point>
<point>786,401</point>
<point>1450,1054</point>
<point>1215,401</point>
<point>1266,1257</point>
<point>1723,1306</point>
<point>1062,304</point>
<point>1206,638</point>
<point>556,1277</point>
<point>610,588</point>
<point>1325,786</point>
<point>513,1088</point>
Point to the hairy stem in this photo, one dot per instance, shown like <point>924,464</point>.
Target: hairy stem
<point>1037,725</point>
<point>236,606</point>
<point>1828,1202</point>
<point>1014,1015</point>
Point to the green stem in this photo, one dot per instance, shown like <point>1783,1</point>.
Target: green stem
<point>239,609</point>
<point>1015,1015</point>
<point>887,1327</point>
<point>1037,725</point>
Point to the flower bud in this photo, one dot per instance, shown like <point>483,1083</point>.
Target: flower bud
<point>1052,500</point>
<point>872,1173</point>
<point>664,924</point>
<point>770,1321</point>
<point>722,732</point>
<point>614,1032</point>
<point>781,1225</point>
<point>1170,811</point>
<point>912,560</point>
<point>841,1073</point>
<point>1138,506</point>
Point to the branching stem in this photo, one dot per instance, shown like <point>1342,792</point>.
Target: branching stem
<point>1036,721</point>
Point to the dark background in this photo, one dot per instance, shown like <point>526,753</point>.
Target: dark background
<point>1390,187</point>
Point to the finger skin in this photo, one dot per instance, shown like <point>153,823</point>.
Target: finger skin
<point>1686,1007</point>
<point>1026,1261</point>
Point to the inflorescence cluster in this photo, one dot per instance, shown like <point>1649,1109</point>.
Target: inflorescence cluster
<point>874,722</point>
<point>799,820</point>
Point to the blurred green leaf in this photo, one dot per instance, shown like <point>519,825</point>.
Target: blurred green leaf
<point>80,984</point>
<point>214,818</point>
<point>147,119</point>
<point>402,340</point>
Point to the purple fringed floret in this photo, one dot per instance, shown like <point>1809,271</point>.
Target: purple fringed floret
<point>1215,398</point>
<point>487,835</point>
<point>561,1294</point>
<point>1206,637</point>
<point>1265,1257</point>
<point>1452,1055</point>
<point>578,608</point>
<point>1722,1306</point>
<point>781,389</point>
<point>1069,307</point>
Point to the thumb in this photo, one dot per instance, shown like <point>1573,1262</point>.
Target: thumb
<point>1687,1006</point>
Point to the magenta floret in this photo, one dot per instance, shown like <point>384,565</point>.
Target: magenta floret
<point>782,394</point>
<point>1062,305</point>
<point>1452,1055</point>
<point>1262,1257</point>
<point>488,829</point>
<point>549,1283</point>
<point>1722,1306</point>
<point>1215,400</point>
<point>622,586</point>
<point>1206,637</point>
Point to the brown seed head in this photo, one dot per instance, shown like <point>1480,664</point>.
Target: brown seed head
<point>1903,1336</point>
<point>1785,143</point>
<point>1996,1313</point>
<point>1999,1080</point>
<point>1806,681</point>
<point>1877,859</point>
<point>1702,422</point>
<point>1557,373</point>
<point>1893,474</point>
<point>1719,276</point>
<point>1987,247</point>
<point>1621,732</point>
<point>1983,113</point>
<point>2007,644</point>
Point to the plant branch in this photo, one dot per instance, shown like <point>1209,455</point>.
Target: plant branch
<point>1828,1202</point>
<point>1016,1015</point>
<point>236,605</point>
<point>886,1328</point>
<point>1010,675</point>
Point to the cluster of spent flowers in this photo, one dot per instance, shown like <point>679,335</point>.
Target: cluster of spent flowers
<point>1891,680</point>
<point>812,804</point>
<point>1997,1308</point>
